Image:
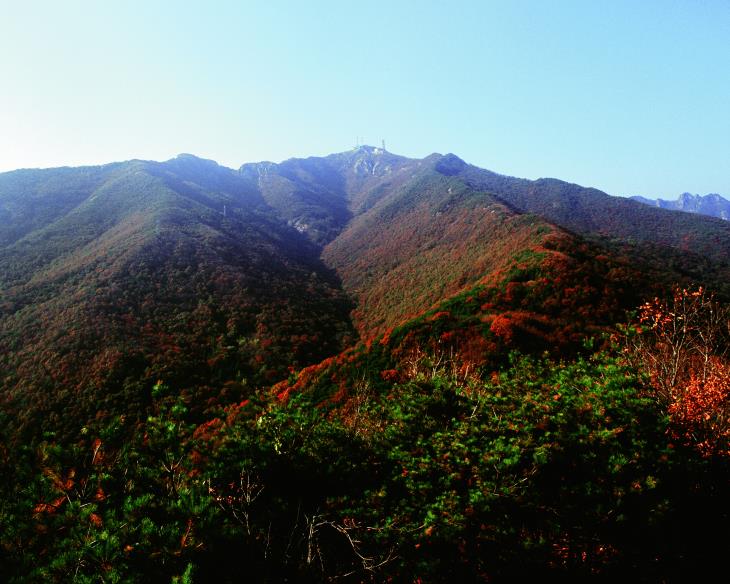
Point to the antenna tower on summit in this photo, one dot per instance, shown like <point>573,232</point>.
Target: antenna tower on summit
<point>383,145</point>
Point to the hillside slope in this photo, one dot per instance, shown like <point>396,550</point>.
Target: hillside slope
<point>421,230</point>
<point>423,242</point>
<point>177,270</point>
<point>183,392</point>
<point>591,212</point>
<point>224,281</point>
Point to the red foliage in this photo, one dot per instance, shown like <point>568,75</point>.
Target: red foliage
<point>502,327</point>
<point>49,507</point>
<point>95,520</point>
<point>440,314</point>
<point>392,375</point>
<point>208,430</point>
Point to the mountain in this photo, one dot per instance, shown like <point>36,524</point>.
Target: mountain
<point>418,231</point>
<point>413,235</point>
<point>223,280</point>
<point>712,205</point>
<point>361,367</point>
<point>115,276</point>
<point>593,213</point>
<point>320,195</point>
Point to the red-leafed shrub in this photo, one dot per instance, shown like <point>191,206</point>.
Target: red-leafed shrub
<point>701,409</point>
<point>682,345</point>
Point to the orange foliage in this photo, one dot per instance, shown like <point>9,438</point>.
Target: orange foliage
<point>701,410</point>
<point>441,314</point>
<point>208,430</point>
<point>502,327</point>
<point>682,345</point>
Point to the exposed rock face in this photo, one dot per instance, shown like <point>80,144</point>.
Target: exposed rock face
<point>713,204</point>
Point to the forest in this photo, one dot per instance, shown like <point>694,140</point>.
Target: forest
<point>361,368</point>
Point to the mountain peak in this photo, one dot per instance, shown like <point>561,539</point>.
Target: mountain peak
<point>450,164</point>
<point>186,158</point>
<point>366,148</point>
<point>712,204</point>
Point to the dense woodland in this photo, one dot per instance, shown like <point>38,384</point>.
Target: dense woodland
<point>361,367</point>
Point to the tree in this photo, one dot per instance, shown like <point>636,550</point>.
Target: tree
<point>682,345</point>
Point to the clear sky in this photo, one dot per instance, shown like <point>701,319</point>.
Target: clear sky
<point>632,97</point>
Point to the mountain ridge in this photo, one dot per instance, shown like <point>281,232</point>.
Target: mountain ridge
<point>225,280</point>
<point>164,269</point>
<point>712,205</point>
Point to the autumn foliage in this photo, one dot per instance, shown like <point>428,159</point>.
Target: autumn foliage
<point>682,344</point>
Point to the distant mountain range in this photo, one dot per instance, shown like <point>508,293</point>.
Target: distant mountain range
<point>713,205</point>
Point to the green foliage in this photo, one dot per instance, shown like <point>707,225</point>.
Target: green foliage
<point>548,466</point>
<point>147,311</point>
<point>551,468</point>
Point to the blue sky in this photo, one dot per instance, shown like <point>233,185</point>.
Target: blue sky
<point>632,97</point>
